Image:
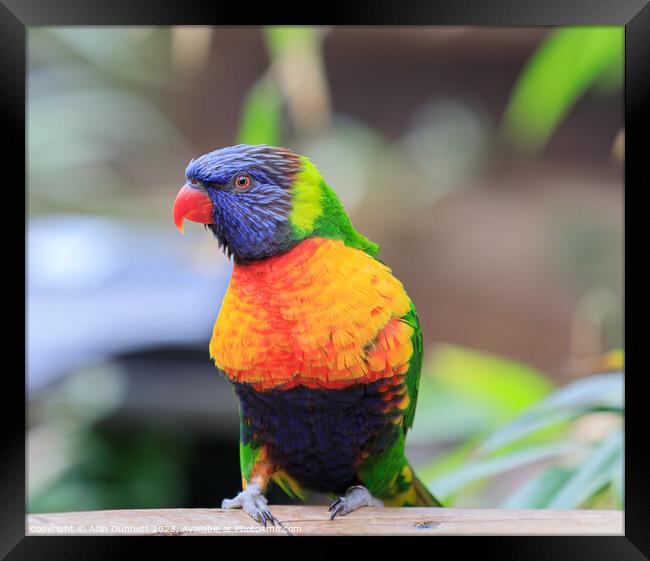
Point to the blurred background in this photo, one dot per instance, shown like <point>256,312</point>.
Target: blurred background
<point>486,162</point>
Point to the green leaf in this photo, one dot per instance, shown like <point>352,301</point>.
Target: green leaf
<point>466,393</point>
<point>446,462</point>
<point>443,415</point>
<point>601,390</point>
<point>595,393</point>
<point>596,472</point>
<point>282,39</point>
<point>568,63</point>
<point>506,385</point>
<point>262,114</point>
<point>480,469</point>
<point>537,492</point>
<point>526,426</point>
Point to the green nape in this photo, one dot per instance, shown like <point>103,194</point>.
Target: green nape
<point>318,212</point>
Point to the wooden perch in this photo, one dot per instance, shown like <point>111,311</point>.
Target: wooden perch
<point>314,520</point>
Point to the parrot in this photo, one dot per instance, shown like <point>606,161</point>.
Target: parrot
<point>318,340</point>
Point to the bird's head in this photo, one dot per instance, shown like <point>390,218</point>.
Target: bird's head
<point>257,200</point>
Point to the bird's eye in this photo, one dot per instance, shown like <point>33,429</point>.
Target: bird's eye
<point>194,182</point>
<point>242,181</point>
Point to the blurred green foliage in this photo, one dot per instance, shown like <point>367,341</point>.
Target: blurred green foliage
<point>92,121</point>
<point>261,116</point>
<point>464,392</point>
<point>96,465</point>
<point>506,417</point>
<point>113,470</point>
<point>580,479</point>
<point>570,62</point>
<point>290,39</point>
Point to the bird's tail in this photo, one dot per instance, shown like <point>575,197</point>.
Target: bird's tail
<point>423,496</point>
<point>412,492</point>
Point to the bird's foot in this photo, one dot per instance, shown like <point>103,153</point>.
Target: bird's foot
<point>354,498</point>
<point>253,502</point>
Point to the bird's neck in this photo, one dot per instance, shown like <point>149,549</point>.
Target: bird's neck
<point>268,272</point>
<point>318,212</point>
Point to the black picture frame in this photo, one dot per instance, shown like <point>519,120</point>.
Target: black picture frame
<point>17,15</point>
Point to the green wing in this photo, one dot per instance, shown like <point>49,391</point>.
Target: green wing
<point>415,366</point>
<point>388,475</point>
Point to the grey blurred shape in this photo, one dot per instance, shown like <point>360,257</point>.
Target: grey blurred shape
<point>99,287</point>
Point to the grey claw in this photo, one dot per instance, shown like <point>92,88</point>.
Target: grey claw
<point>354,498</point>
<point>264,516</point>
<point>254,504</point>
<point>338,506</point>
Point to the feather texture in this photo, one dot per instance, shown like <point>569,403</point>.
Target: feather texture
<point>320,315</point>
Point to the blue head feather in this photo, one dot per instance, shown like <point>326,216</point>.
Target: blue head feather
<point>252,223</point>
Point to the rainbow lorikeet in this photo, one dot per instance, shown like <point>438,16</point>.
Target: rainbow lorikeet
<point>319,340</point>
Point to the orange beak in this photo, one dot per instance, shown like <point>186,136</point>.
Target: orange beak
<point>193,204</point>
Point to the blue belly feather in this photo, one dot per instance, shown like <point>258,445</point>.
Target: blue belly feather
<point>318,435</point>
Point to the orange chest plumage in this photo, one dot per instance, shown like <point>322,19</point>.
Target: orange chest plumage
<point>320,315</point>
